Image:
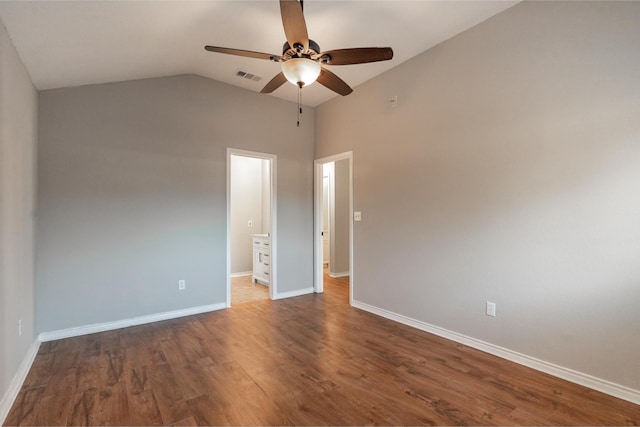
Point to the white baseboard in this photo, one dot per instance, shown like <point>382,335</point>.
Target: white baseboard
<point>108,326</point>
<point>336,275</point>
<point>292,294</point>
<point>583,379</point>
<point>242,274</point>
<point>18,379</point>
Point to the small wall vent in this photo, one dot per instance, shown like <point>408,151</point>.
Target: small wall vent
<point>248,76</point>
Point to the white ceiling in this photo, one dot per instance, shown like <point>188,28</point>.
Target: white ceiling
<point>72,43</point>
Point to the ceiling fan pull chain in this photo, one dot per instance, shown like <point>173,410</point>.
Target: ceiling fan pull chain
<point>299,103</point>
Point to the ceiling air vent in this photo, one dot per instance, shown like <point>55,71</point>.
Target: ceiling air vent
<point>248,76</point>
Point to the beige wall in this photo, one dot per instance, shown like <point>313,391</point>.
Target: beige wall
<point>18,134</point>
<point>508,172</point>
<point>132,195</point>
<point>266,196</point>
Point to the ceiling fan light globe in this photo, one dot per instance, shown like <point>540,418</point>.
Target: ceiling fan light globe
<point>301,71</point>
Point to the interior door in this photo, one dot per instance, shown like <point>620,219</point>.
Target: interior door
<point>325,219</point>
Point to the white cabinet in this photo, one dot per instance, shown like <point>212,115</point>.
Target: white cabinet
<point>261,259</point>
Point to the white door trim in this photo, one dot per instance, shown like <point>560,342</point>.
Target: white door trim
<point>318,285</point>
<point>272,158</point>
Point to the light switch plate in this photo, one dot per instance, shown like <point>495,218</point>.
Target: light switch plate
<point>491,309</point>
<point>357,216</point>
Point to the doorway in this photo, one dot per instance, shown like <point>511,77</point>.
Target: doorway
<point>251,226</point>
<point>333,225</point>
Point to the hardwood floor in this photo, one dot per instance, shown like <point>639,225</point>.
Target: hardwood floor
<point>311,360</point>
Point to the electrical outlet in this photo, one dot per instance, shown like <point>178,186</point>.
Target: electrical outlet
<point>357,216</point>
<point>20,327</point>
<point>491,309</point>
<point>182,284</point>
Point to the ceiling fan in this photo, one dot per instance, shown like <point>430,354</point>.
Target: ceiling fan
<point>302,58</point>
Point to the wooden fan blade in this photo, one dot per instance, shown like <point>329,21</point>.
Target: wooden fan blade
<point>358,55</point>
<point>275,83</point>
<point>240,52</point>
<point>333,82</point>
<point>295,28</point>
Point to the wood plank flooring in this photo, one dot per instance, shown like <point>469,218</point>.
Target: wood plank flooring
<point>311,360</point>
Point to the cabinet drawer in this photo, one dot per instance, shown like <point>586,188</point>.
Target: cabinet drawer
<point>260,242</point>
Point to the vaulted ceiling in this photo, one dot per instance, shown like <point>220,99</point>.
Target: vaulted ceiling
<point>72,43</point>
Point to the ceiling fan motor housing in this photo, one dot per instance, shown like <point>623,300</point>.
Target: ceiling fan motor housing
<point>292,52</point>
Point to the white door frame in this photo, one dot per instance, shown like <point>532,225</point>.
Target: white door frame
<point>272,158</point>
<point>318,282</point>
